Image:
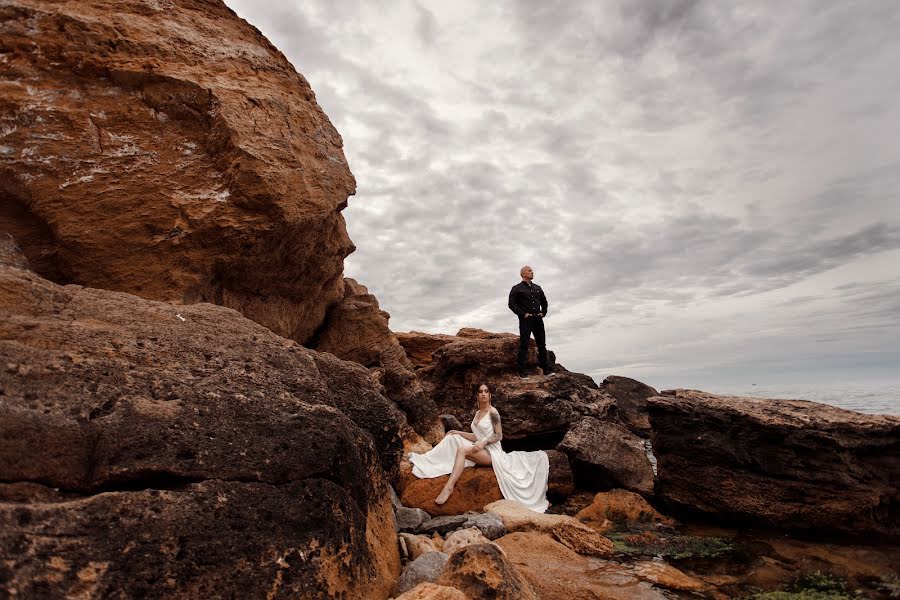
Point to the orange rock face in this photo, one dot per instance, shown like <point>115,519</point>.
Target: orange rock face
<point>167,149</point>
<point>477,486</point>
<point>619,507</point>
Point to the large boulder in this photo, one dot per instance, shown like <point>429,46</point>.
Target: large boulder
<point>631,402</point>
<point>620,508</point>
<point>567,530</point>
<point>168,150</point>
<point>541,408</point>
<point>606,455</point>
<point>483,571</point>
<point>785,463</point>
<point>150,449</point>
<point>476,487</point>
<point>357,329</point>
<point>557,572</point>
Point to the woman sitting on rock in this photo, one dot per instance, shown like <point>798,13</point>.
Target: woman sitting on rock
<point>522,476</point>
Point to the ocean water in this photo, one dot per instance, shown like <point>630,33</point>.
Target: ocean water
<point>870,398</point>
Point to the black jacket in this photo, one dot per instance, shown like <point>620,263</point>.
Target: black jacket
<point>524,298</point>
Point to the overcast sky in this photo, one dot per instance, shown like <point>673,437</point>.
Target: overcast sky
<point>709,192</point>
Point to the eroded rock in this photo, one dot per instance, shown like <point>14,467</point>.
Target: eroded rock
<point>426,568</point>
<point>482,571</point>
<point>356,329</point>
<point>107,396</point>
<point>608,455</point>
<point>786,463</point>
<point>540,408</point>
<point>170,151</point>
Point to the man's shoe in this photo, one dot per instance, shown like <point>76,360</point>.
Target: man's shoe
<point>523,375</point>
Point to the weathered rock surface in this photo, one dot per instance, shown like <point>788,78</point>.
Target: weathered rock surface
<point>561,482</point>
<point>431,591</point>
<point>489,524</point>
<point>246,435</point>
<point>167,149</point>
<point>786,463</point>
<point>631,402</point>
<point>567,530</point>
<point>539,406</point>
<point>410,519</point>
<point>607,455</point>
<point>476,487</point>
<point>417,545</point>
<point>424,569</point>
<point>556,572</point>
<point>444,524</point>
<point>482,571</point>
<point>620,508</point>
<point>356,329</point>
<point>461,538</point>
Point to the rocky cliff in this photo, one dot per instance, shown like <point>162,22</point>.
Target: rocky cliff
<point>149,449</point>
<point>168,150</point>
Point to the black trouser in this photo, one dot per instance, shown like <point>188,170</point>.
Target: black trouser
<point>526,328</point>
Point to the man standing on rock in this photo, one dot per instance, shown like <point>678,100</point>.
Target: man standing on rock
<point>528,301</point>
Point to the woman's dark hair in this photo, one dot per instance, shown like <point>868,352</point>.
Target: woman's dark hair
<point>477,387</point>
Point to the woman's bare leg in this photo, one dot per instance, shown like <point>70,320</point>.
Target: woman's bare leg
<point>482,457</point>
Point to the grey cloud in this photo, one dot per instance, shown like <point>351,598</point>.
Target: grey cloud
<point>644,156</point>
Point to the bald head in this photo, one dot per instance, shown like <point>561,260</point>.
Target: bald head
<point>526,273</point>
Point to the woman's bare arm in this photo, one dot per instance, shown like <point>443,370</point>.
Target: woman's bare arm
<point>498,428</point>
<point>468,436</point>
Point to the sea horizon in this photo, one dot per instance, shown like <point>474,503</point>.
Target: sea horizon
<point>864,397</point>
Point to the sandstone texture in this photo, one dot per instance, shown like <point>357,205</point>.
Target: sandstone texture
<point>556,572</point>
<point>605,455</point>
<point>357,329</point>
<point>476,487</point>
<point>167,149</point>
<point>461,538</point>
<point>565,529</point>
<point>431,591</point>
<point>621,508</point>
<point>482,571</point>
<point>146,447</point>
<point>786,463</point>
<point>417,545</point>
<point>540,407</point>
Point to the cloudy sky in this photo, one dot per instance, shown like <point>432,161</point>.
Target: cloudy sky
<point>709,192</point>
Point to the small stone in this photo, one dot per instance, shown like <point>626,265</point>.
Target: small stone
<point>490,525</point>
<point>425,568</point>
<point>410,519</point>
<point>443,525</point>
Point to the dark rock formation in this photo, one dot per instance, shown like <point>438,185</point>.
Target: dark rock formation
<point>167,149</point>
<point>787,463</point>
<point>561,482</point>
<point>631,402</point>
<point>106,397</point>
<point>357,330</point>
<point>541,408</point>
<point>606,455</point>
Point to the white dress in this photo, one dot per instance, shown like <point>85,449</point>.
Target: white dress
<point>522,476</point>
